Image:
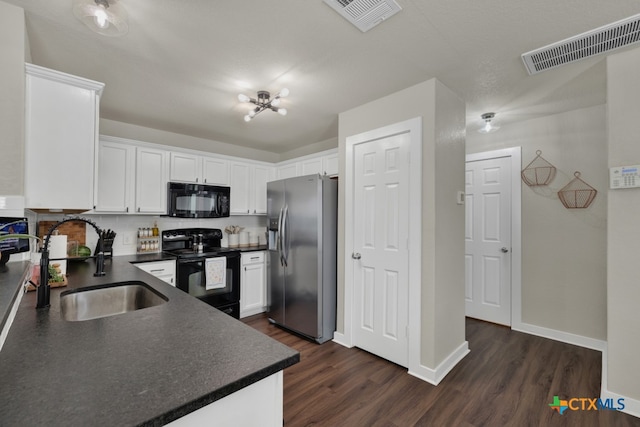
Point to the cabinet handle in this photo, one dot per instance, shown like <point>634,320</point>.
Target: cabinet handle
<point>138,209</point>
<point>205,180</point>
<point>196,179</point>
<point>248,211</point>
<point>245,269</point>
<point>127,208</point>
<point>156,270</point>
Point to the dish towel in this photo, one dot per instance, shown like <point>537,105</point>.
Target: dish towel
<point>215,272</point>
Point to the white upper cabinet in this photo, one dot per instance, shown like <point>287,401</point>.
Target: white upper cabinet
<point>151,181</point>
<point>330,164</point>
<point>261,175</point>
<point>249,188</point>
<point>130,178</point>
<point>199,169</point>
<point>115,177</point>
<point>325,163</point>
<point>288,171</point>
<point>185,167</point>
<point>61,119</point>
<point>240,186</point>
<point>311,166</point>
<point>215,171</point>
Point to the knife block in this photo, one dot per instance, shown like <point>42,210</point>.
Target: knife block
<point>107,248</point>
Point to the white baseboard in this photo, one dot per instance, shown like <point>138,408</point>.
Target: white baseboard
<point>434,376</point>
<point>561,336</point>
<point>339,338</point>
<point>631,406</point>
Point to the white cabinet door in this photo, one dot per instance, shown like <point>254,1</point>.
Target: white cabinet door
<point>240,186</point>
<point>311,166</point>
<point>115,177</point>
<point>261,175</point>
<point>61,120</point>
<point>215,171</point>
<point>252,284</point>
<point>163,270</point>
<point>330,164</point>
<point>151,181</point>
<point>288,171</point>
<point>184,167</point>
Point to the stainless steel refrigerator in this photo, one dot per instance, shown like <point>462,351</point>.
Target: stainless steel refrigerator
<point>301,266</point>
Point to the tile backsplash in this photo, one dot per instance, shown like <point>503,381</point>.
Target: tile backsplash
<point>126,227</point>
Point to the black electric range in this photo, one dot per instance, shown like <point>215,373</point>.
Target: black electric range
<point>204,269</point>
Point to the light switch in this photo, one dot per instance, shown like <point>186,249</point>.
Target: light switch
<point>460,198</point>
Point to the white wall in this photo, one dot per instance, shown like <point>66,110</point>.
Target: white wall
<point>12,57</point>
<point>563,250</point>
<point>443,121</point>
<point>623,266</point>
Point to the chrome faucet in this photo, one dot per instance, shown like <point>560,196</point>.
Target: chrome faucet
<point>43,290</point>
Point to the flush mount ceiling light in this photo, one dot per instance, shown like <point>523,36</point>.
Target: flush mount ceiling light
<point>105,17</point>
<point>264,102</point>
<point>488,127</point>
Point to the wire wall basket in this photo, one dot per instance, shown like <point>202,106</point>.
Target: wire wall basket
<point>577,194</point>
<point>538,172</point>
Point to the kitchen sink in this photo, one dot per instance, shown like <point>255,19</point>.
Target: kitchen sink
<point>108,300</point>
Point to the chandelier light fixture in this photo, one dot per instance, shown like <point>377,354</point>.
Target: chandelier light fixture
<point>488,127</point>
<point>264,102</point>
<point>105,17</point>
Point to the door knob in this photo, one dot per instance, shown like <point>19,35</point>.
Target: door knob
<point>356,255</point>
<point>504,250</point>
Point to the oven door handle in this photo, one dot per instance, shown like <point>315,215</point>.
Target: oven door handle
<point>190,261</point>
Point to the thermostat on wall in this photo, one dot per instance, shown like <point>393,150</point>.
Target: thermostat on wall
<point>624,177</point>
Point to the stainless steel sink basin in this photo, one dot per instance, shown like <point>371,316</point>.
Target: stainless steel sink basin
<point>108,300</point>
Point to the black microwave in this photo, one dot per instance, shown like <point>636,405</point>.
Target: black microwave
<point>197,200</point>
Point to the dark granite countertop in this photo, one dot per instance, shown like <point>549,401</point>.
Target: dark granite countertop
<point>10,282</point>
<point>146,367</point>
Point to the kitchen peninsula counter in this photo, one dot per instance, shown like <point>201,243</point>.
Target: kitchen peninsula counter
<point>145,367</point>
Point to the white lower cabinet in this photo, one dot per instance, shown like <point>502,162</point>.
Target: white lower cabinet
<point>163,270</point>
<point>253,283</point>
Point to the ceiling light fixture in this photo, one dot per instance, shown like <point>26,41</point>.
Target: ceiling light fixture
<point>105,17</point>
<point>488,127</point>
<point>264,102</point>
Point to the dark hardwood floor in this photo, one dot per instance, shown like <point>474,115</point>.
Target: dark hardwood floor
<point>508,379</point>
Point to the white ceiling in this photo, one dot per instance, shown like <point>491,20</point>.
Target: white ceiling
<point>182,64</point>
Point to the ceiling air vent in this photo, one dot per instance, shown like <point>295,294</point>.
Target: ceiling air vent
<point>365,14</point>
<point>594,42</point>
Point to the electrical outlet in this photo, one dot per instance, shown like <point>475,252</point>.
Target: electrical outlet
<point>128,239</point>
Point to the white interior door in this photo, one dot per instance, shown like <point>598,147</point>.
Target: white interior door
<point>380,241</point>
<point>488,240</point>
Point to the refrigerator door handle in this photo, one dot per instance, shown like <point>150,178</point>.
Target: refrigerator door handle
<point>279,238</point>
<point>285,234</point>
